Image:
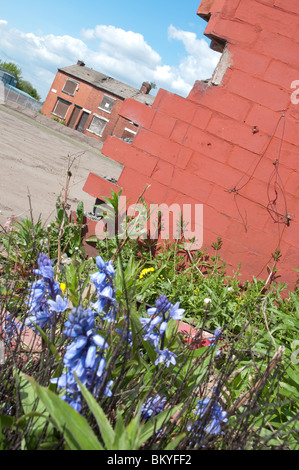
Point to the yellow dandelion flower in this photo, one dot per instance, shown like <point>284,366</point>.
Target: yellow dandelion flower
<point>63,287</point>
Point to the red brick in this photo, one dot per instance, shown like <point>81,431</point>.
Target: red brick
<point>213,171</point>
<point>163,124</point>
<point>131,179</point>
<point>278,47</point>
<point>254,190</point>
<point>248,61</point>
<point>265,119</point>
<point>267,18</point>
<point>198,90</point>
<point>233,31</point>
<point>157,145</point>
<point>252,265</point>
<point>263,169</point>
<point>180,131</point>
<point>183,157</point>
<point>288,5</point>
<point>237,133</point>
<point>137,112</point>
<point>177,197</point>
<point>253,239</point>
<point>289,259</point>
<point>292,184</point>
<point>159,97</point>
<point>291,236</point>
<point>96,186</point>
<point>241,159</point>
<point>129,156</point>
<point>291,132</point>
<point>215,221</point>
<point>177,107</point>
<point>202,117</point>
<point>230,104</point>
<point>289,153</point>
<point>259,91</point>
<point>191,185</point>
<point>281,74</point>
<point>237,208</point>
<point>292,207</point>
<point>208,144</point>
<point>163,172</point>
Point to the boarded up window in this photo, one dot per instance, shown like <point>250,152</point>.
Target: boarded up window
<point>107,103</point>
<point>61,108</point>
<point>98,125</point>
<point>70,87</point>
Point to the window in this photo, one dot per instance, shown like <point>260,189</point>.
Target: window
<point>98,125</point>
<point>107,103</point>
<point>61,108</point>
<point>70,87</point>
<point>128,135</point>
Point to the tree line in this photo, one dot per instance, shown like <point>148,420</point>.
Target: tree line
<point>23,85</point>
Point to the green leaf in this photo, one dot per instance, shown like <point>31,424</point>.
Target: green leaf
<point>154,424</point>
<point>172,445</point>
<point>105,427</point>
<point>73,426</point>
<point>80,213</point>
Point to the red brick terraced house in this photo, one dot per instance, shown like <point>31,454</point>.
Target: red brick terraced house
<point>89,101</point>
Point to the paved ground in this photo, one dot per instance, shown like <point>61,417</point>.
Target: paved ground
<point>34,159</point>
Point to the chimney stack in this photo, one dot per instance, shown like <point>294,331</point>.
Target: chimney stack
<point>81,63</point>
<point>145,88</point>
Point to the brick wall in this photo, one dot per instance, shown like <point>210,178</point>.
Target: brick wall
<point>233,143</point>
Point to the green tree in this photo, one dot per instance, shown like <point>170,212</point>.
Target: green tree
<point>12,68</point>
<point>26,86</point>
<point>23,85</point>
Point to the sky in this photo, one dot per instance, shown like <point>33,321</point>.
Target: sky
<point>160,41</point>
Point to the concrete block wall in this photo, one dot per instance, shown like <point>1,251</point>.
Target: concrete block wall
<point>232,144</point>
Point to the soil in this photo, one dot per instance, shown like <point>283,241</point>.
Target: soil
<point>35,153</point>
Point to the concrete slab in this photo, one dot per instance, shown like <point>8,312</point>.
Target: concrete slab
<point>34,158</point>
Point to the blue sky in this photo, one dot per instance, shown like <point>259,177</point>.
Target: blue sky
<point>160,41</point>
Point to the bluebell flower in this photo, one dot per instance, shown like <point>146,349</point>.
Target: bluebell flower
<point>103,282</point>
<point>45,268</point>
<point>211,417</point>
<point>216,415</point>
<point>152,407</point>
<point>213,340</point>
<point>80,322</point>
<point>83,357</point>
<point>59,305</point>
<point>154,328</point>
<point>11,328</point>
<point>42,292</point>
<point>166,356</point>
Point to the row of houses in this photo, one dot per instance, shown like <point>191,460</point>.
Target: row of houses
<point>89,102</point>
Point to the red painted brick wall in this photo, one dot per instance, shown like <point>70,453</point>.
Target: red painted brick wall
<point>231,145</point>
<point>87,97</point>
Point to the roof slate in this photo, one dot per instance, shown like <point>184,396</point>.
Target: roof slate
<point>106,83</point>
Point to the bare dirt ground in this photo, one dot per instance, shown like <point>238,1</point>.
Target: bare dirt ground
<point>34,160</point>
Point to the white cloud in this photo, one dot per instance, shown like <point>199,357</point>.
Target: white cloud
<point>122,54</point>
